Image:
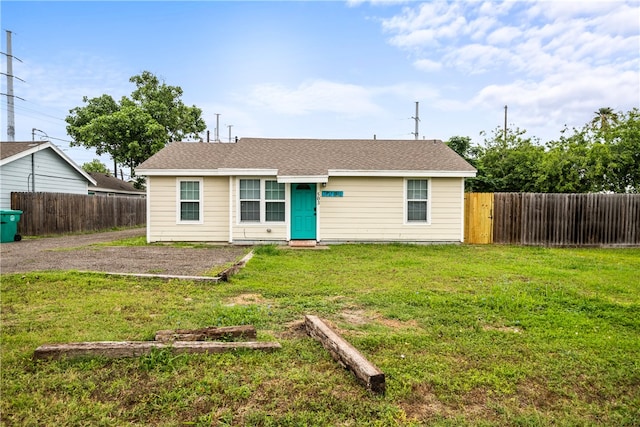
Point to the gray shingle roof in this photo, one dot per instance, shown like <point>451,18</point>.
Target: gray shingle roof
<point>109,182</point>
<point>309,157</point>
<point>9,149</point>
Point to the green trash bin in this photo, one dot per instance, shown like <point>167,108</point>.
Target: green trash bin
<point>9,225</point>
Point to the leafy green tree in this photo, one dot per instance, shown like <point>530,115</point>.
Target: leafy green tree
<point>565,166</point>
<point>615,153</point>
<point>513,165</point>
<point>135,128</point>
<point>95,166</point>
<point>163,104</point>
<point>602,156</point>
<point>462,146</point>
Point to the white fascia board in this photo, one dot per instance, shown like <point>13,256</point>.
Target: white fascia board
<point>74,165</point>
<point>247,172</point>
<point>59,152</point>
<point>399,173</point>
<point>111,190</point>
<point>207,172</point>
<point>178,172</point>
<point>37,146</point>
<point>290,179</point>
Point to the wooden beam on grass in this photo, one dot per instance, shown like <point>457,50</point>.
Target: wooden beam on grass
<point>346,354</point>
<point>208,333</point>
<point>226,274</point>
<point>118,349</point>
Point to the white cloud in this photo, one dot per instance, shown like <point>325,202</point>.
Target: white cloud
<point>556,61</point>
<point>354,3</point>
<point>476,58</point>
<point>503,36</point>
<point>64,82</point>
<point>560,99</point>
<point>427,65</point>
<point>315,96</point>
<point>425,24</point>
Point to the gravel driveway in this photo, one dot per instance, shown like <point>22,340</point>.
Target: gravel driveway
<point>79,252</point>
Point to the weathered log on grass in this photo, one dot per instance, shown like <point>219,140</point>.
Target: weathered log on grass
<point>227,273</point>
<point>346,354</point>
<point>141,348</point>
<point>208,333</point>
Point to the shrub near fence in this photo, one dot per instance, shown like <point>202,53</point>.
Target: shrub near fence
<point>58,213</point>
<point>566,219</point>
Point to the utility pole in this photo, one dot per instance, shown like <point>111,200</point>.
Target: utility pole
<point>417,119</point>
<point>505,124</point>
<point>217,139</point>
<point>33,133</point>
<point>229,126</point>
<point>11,118</point>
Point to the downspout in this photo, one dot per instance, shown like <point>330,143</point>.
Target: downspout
<point>33,173</point>
<point>148,203</point>
<point>463,214</point>
<point>230,209</point>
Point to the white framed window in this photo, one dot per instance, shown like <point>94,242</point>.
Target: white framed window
<point>249,200</point>
<point>417,202</point>
<point>190,203</point>
<point>274,201</point>
<point>261,200</point>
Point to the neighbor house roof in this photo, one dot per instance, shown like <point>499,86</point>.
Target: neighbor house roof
<point>11,151</point>
<point>309,158</point>
<point>109,183</point>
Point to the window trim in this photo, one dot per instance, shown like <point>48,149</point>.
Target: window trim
<point>263,202</point>
<point>259,200</point>
<point>282,201</point>
<point>406,201</point>
<point>179,200</point>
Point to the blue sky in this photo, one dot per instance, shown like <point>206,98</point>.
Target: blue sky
<point>334,69</point>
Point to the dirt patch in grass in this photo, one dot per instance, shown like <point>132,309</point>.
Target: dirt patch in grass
<point>360,317</point>
<point>294,330</point>
<point>532,393</point>
<point>427,407</point>
<point>246,299</point>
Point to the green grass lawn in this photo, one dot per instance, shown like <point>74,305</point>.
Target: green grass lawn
<point>466,335</point>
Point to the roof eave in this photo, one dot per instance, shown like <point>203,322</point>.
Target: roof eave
<point>291,179</point>
<point>59,152</point>
<point>403,173</point>
<point>178,172</point>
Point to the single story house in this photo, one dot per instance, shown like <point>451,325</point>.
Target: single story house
<point>306,191</point>
<point>38,166</point>
<point>109,185</point>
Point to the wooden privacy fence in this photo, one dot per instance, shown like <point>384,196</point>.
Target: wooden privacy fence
<point>553,219</point>
<point>57,213</point>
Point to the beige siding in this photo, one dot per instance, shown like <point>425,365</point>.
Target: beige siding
<point>163,226</point>
<point>372,209</point>
<point>257,232</point>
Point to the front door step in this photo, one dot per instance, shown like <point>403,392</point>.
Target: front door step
<point>302,243</point>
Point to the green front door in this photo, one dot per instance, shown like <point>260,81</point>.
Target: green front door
<point>303,211</point>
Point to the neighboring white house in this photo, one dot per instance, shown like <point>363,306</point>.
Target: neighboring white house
<point>288,190</point>
<point>38,167</point>
<point>109,185</point>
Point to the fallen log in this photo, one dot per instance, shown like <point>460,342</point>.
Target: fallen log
<point>226,274</point>
<point>346,354</point>
<point>208,333</point>
<point>140,348</point>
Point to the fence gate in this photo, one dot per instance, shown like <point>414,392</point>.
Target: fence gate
<point>478,218</point>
